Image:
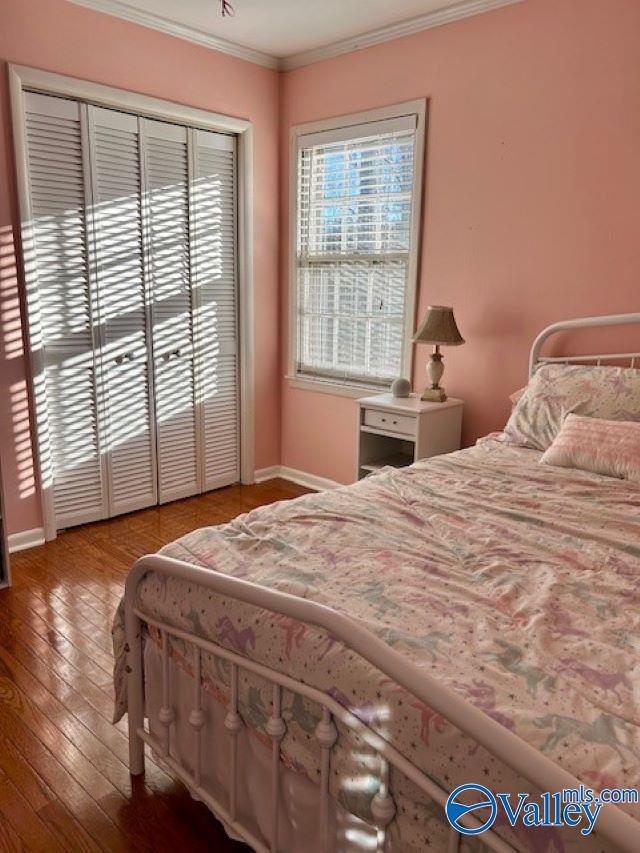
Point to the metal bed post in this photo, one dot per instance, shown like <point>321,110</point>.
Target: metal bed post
<point>233,724</point>
<point>135,686</point>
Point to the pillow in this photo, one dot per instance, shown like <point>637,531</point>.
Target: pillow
<point>556,390</point>
<point>593,444</point>
<point>515,397</point>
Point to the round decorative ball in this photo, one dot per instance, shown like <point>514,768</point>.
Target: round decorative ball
<point>400,387</point>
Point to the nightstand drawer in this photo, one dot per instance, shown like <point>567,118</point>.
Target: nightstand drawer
<point>404,424</point>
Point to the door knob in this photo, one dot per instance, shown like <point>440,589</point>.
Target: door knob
<point>173,353</point>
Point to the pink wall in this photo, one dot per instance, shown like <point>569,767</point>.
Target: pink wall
<point>531,207</point>
<point>532,191</point>
<point>58,36</point>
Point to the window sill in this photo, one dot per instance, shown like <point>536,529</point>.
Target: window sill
<point>338,389</point>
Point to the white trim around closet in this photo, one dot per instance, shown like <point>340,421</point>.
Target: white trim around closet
<point>22,78</point>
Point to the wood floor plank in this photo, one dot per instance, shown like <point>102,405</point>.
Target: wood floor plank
<point>55,612</point>
<point>39,708</point>
<point>60,665</point>
<point>78,695</point>
<point>42,799</point>
<point>95,665</point>
<point>56,634</point>
<point>64,780</point>
<point>110,763</point>
<point>10,841</point>
<point>20,814</point>
<point>96,719</point>
<point>70,589</point>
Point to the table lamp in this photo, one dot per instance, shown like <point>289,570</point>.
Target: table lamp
<point>438,328</point>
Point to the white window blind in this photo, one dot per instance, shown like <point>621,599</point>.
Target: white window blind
<point>355,204</point>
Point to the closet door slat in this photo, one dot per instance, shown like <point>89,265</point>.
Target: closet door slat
<point>62,327</point>
<point>214,274</point>
<point>166,198</point>
<point>124,309</point>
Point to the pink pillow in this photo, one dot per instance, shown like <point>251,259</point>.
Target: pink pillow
<point>603,447</point>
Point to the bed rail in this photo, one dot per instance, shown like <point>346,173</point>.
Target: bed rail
<point>535,359</point>
<point>614,825</point>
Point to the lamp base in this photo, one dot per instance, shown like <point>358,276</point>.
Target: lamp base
<point>434,395</point>
<point>435,368</point>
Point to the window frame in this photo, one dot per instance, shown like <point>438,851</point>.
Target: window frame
<point>418,109</point>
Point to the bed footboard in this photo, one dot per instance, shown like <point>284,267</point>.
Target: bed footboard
<point>614,825</point>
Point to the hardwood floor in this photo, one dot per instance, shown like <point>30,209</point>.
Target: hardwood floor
<point>64,782</point>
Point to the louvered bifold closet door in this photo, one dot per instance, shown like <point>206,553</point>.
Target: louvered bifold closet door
<point>62,327</point>
<point>214,275</point>
<point>166,204</point>
<point>125,397</point>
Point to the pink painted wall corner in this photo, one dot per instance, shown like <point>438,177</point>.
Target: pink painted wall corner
<point>531,194</point>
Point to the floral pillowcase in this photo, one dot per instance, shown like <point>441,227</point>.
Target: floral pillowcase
<point>556,390</point>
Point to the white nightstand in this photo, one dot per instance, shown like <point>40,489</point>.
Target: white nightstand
<point>400,430</point>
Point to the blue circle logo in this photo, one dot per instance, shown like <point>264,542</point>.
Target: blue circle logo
<point>456,809</point>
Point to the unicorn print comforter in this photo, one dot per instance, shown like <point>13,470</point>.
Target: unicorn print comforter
<point>516,584</point>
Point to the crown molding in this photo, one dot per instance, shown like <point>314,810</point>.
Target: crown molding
<point>183,31</point>
<point>437,18</point>
<point>457,12</point>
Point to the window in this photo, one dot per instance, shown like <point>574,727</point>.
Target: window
<point>357,204</point>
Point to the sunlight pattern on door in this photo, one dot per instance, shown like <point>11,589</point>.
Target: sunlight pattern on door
<point>124,311</point>
<point>130,259</point>
<point>167,200</point>
<point>56,257</point>
<point>215,287</point>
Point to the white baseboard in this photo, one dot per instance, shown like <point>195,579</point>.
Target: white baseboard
<point>31,538</point>
<point>301,478</point>
<point>25,539</point>
<point>262,474</point>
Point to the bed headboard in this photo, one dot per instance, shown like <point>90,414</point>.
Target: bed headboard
<point>535,359</point>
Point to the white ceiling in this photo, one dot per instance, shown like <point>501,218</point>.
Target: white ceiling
<point>288,33</point>
<point>285,27</point>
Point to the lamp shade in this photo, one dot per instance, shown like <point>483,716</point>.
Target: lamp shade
<point>438,327</point>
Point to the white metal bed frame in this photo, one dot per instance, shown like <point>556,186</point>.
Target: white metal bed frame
<point>614,825</point>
